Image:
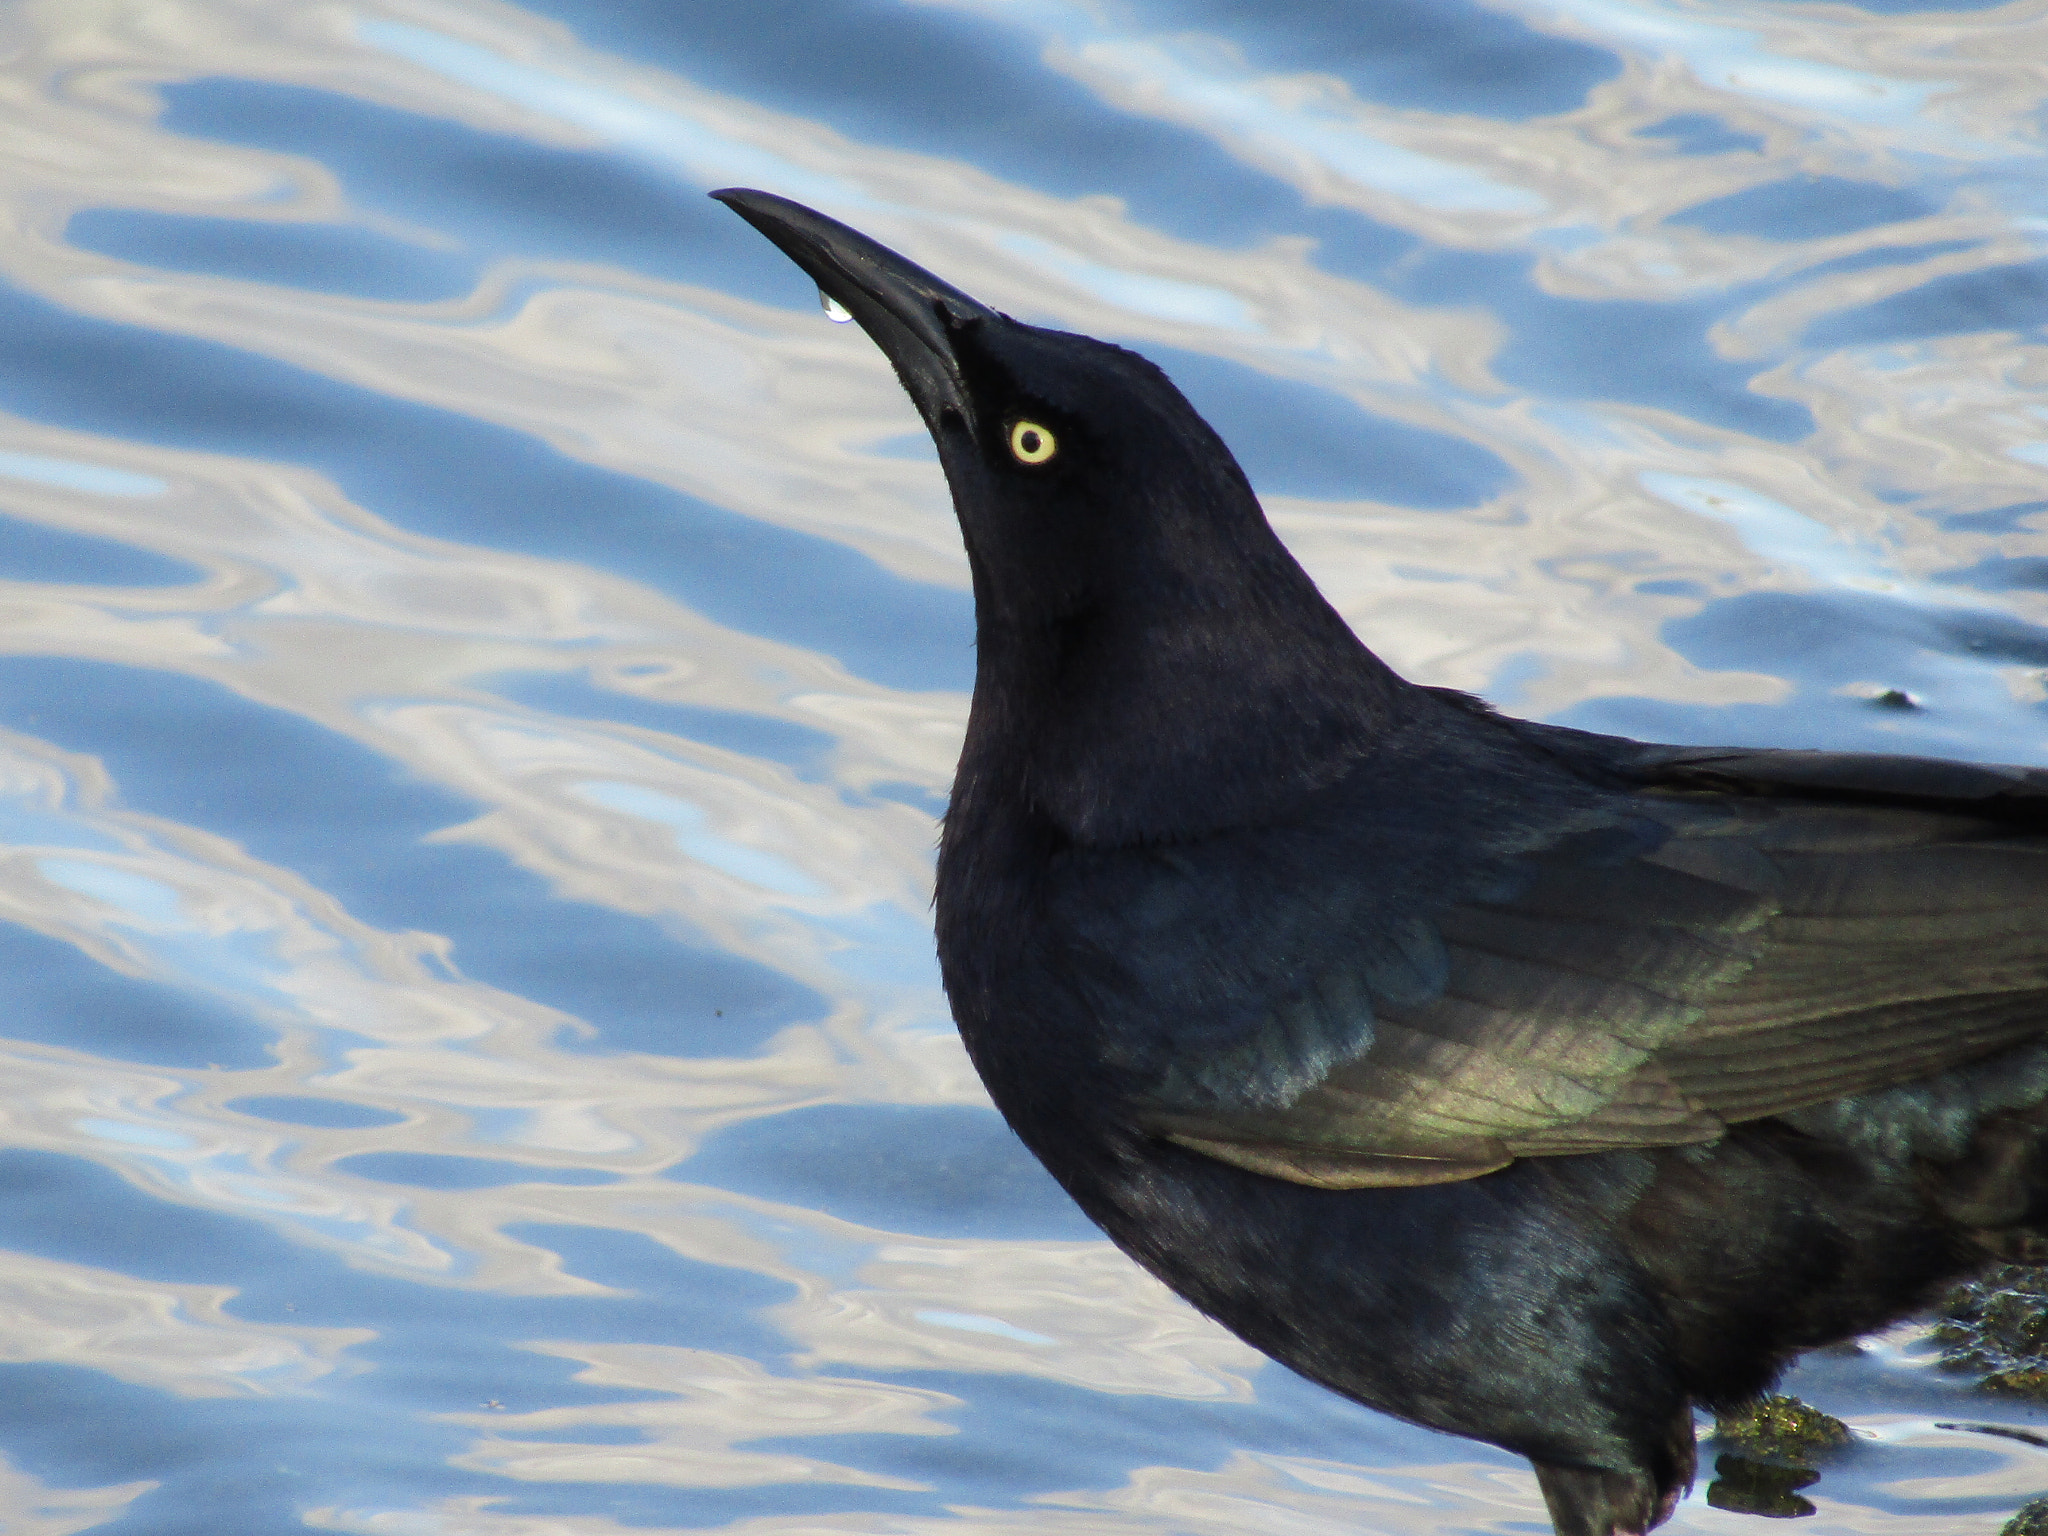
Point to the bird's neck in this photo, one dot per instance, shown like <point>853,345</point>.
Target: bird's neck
<point>1165,721</point>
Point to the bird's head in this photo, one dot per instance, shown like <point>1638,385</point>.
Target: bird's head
<point>1138,621</point>
<point>1082,477</point>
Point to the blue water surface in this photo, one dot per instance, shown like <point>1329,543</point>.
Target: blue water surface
<point>484,659</point>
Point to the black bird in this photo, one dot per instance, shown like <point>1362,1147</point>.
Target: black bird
<point>1525,1083</point>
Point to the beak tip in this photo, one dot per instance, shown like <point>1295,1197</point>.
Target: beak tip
<point>909,313</point>
<point>742,200</point>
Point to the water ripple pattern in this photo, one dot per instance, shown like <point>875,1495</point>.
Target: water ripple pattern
<point>481,661</point>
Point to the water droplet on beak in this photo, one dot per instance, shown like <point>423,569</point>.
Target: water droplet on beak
<point>835,311</point>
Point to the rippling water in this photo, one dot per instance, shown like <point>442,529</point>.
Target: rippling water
<point>480,659</point>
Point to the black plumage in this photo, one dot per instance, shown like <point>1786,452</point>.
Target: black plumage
<point>1529,1084</point>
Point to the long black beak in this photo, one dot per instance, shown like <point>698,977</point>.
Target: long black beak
<point>912,316</point>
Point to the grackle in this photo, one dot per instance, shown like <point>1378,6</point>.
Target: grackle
<point>1526,1083</point>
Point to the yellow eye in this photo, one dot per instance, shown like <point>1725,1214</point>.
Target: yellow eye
<point>1031,443</point>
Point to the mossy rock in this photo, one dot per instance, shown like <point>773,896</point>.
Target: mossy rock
<point>2029,1381</point>
<point>1782,1430</point>
<point>1999,1326</point>
<point>2030,1520</point>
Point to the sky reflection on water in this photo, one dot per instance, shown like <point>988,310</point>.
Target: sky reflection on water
<point>484,659</point>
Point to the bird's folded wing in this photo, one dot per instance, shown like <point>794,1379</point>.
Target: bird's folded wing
<point>1769,954</point>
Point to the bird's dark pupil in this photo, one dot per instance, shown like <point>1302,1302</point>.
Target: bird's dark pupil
<point>1030,442</point>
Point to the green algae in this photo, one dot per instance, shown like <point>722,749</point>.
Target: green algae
<point>1998,1326</point>
<point>1782,1430</point>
